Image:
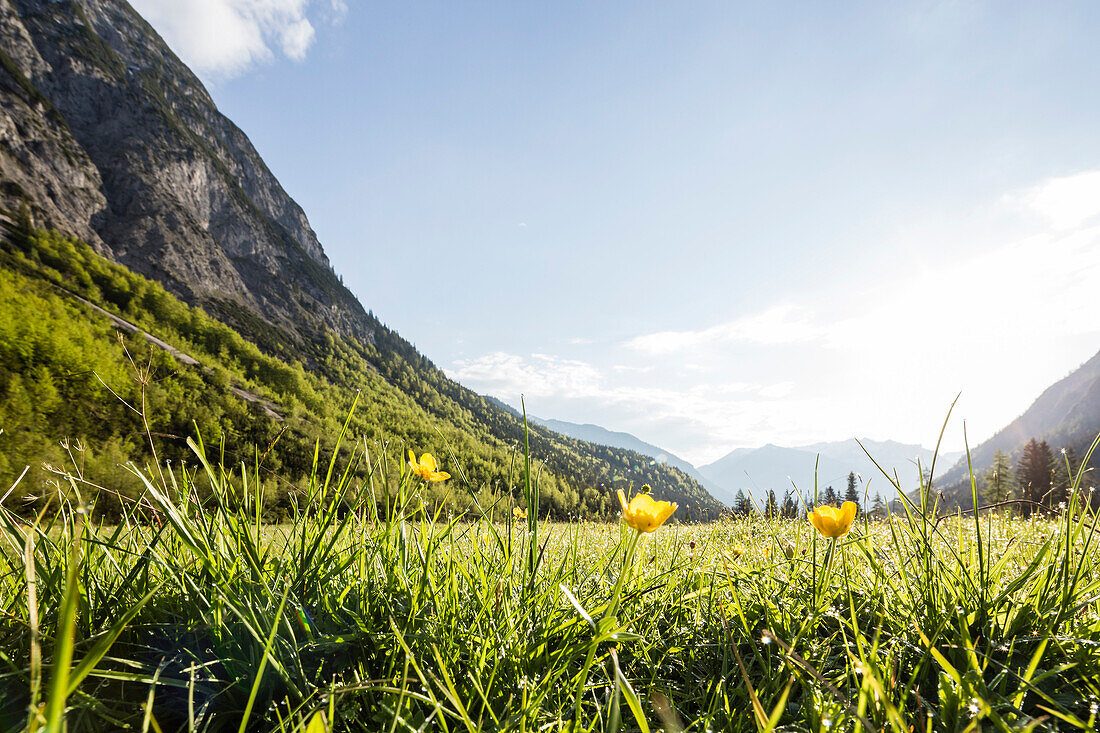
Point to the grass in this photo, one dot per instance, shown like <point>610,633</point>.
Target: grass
<point>368,612</point>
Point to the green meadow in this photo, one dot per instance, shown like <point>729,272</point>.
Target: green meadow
<point>369,609</point>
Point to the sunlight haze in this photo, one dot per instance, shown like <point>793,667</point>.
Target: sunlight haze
<point>711,225</point>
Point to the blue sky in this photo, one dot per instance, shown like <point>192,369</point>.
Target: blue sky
<point>713,225</point>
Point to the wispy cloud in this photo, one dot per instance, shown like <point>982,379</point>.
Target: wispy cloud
<point>1066,202</point>
<point>508,375</point>
<point>782,324</point>
<point>705,416</point>
<point>339,10</point>
<point>885,359</point>
<point>226,37</point>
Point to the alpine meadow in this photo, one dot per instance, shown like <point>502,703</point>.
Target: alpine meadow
<point>232,498</point>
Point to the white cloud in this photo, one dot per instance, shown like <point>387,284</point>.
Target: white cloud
<point>226,37</point>
<point>999,327</point>
<point>507,375</point>
<point>1066,202</point>
<point>884,360</point>
<point>706,416</point>
<point>339,10</point>
<point>783,324</point>
<point>297,38</point>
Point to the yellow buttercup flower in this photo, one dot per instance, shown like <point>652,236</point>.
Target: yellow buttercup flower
<point>426,468</point>
<point>645,514</point>
<point>519,513</point>
<point>832,522</point>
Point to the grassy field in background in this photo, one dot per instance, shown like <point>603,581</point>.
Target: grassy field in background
<point>366,612</point>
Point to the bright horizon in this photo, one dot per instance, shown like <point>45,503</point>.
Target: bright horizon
<point>710,227</point>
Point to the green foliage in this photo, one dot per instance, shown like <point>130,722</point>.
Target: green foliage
<point>64,374</point>
<point>192,615</point>
<point>851,493</point>
<point>998,483</point>
<point>1035,475</point>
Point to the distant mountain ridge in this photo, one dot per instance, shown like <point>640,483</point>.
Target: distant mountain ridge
<point>603,436</point>
<point>756,470</point>
<point>779,469</point>
<point>1065,415</point>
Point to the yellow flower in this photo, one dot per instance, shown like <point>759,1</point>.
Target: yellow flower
<point>426,468</point>
<point>645,514</point>
<point>519,513</point>
<point>832,522</point>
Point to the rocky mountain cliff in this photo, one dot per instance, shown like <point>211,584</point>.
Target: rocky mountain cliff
<point>107,136</point>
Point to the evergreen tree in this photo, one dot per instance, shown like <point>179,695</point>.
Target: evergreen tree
<point>830,496</point>
<point>878,506</point>
<point>852,493</point>
<point>998,483</point>
<point>742,505</point>
<point>789,509</point>
<point>1034,473</point>
<point>771,509</point>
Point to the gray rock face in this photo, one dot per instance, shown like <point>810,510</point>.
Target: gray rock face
<point>109,137</point>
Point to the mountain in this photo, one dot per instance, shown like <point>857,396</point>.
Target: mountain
<point>110,138</point>
<point>122,183</point>
<point>603,436</point>
<point>771,467</point>
<point>1066,415</point>
<point>889,454</point>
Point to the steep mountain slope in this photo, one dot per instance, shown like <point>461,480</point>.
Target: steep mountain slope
<point>107,137</point>
<point>1066,415</point>
<point>151,174</point>
<point>603,436</point>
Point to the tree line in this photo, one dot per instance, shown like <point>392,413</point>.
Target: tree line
<point>68,388</point>
<point>1041,480</point>
<point>791,505</point>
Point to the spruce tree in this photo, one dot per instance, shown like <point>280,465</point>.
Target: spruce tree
<point>998,483</point>
<point>878,506</point>
<point>1034,473</point>
<point>852,493</point>
<point>830,496</point>
<point>789,508</point>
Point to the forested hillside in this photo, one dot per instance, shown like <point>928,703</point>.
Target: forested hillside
<point>1061,424</point>
<point>134,192</point>
<point>71,391</point>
